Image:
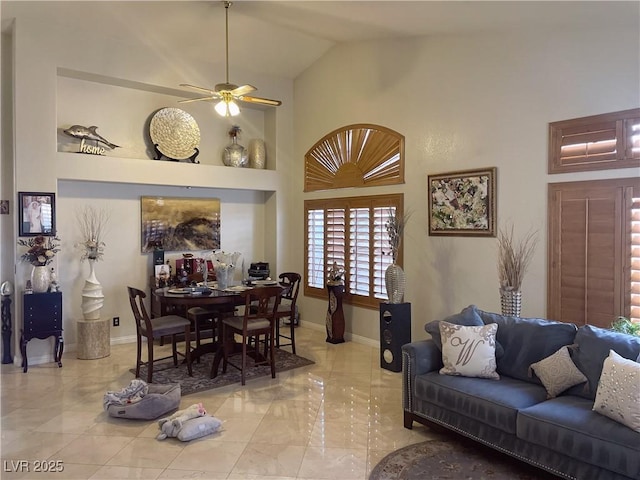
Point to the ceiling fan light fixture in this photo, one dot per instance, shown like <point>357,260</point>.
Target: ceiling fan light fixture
<point>226,108</point>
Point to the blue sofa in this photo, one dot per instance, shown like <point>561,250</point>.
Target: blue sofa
<point>561,435</point>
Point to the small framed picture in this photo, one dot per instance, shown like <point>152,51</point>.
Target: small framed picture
<point>37,214</point>
<point>463,203</point>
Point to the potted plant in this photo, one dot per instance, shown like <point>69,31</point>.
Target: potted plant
<point>513,260</point>
<point>625,325</point>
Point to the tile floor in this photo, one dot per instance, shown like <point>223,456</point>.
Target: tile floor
<point>332,420</point>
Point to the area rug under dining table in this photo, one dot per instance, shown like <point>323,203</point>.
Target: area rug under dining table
<point>164,373</point>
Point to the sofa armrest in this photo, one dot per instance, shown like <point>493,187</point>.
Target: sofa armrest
<point>417,358</point>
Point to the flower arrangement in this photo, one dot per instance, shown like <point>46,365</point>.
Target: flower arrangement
<point>92,224</point>
<point>41,250</point>
<point>224,260</point>
<point>514,258</point>
<point>235,131</point>
<point>395,228</point>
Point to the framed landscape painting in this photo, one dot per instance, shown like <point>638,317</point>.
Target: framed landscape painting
<point>463,203</point>
<point>37,214</point>
<point>180,224</point>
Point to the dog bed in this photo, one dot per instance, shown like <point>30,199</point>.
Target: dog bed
<point>159,400</point>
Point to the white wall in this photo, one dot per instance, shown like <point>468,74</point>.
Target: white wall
<point>465,102</point>
<point>66,74</point>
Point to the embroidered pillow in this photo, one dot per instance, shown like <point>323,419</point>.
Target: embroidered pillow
<point>618,394</point>
<point>557,372</point>
<point>469,351</point>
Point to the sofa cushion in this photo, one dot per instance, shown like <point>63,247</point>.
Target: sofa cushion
<point>558,372</point>
<point>468,317</point>
<point>567,424</point>
<point>493,402</point>
<point>526,341</point>
<point>593,345</point>
<point>469,351</point>
<point>618,394</point>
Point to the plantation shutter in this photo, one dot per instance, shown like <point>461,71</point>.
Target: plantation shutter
<point>597,142</point>
<point>381,249</point>
<point>635,261</point>
<point>589,243</point>
<point>359,251</point>
<point>315,248</point>
<point>352,233</point>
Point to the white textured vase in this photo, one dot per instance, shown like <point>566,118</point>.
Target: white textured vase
<point>92,297</point>
<point>40,279</point>
<point>394,280</point>
<point>257,153</point>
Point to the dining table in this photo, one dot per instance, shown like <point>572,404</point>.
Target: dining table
<point>184,298</point>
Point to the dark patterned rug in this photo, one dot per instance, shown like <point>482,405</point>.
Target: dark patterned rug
<point>164,373</point>
<point>453,458</point>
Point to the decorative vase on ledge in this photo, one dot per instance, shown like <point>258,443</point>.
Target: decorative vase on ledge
<point>257,153</point>
<point>235,155</point>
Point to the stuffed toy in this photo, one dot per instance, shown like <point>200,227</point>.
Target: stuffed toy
<point>171,426</point>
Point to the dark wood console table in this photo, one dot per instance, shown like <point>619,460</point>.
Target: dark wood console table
<point>42,318</point>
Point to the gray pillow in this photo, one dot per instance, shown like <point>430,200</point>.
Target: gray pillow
<point>527,341</point>
<point>468,317</point>
<point>593,348</point>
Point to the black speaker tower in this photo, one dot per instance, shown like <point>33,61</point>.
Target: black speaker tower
<point>395,331</point>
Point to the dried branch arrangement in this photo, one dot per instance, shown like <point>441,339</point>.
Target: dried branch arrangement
<point>514,257</point>
<point>92,223</point>
<point>395,226</point>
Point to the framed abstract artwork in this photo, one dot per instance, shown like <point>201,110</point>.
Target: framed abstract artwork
<point>463,203</point>
<point>180,224</point>
<point>37,214</point>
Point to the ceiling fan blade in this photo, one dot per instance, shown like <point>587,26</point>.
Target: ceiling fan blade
<point>263,101</point>
<point>243,90</point>
<point>207,90</point>
<point>189,100</point>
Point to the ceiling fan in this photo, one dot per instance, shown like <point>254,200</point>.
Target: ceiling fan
<point>227,92</point>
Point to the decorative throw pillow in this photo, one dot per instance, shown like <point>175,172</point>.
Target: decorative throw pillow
<point>557,372</point>
<point>618,394</point>
<point>469,351</point>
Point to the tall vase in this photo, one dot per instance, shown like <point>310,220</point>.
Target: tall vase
<point>40,279</point>
<point>257,153</point>
<point>511,302</point>
<point>92,297</point>
<point>394,280</point>
<point>235,155</point>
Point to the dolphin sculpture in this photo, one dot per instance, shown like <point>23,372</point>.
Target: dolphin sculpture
<point>78,131</point>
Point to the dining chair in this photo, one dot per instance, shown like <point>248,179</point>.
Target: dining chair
<point>155,328</point>
<point>290,281</point>
<point>258,318</point>
<point>203,319</point>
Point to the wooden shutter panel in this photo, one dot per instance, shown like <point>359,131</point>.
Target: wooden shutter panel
<point>589,248</point>
<point>634,284</point>
<point>597,142</point>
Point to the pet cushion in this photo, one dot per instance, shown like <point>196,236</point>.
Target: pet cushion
<point>159,400</point>
<point>469,351</point>
<point>618,394</point>
<point>558,372</point>
<point>199,427</point>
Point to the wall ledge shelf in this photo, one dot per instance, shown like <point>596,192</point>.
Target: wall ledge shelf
<point>108,169</point>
